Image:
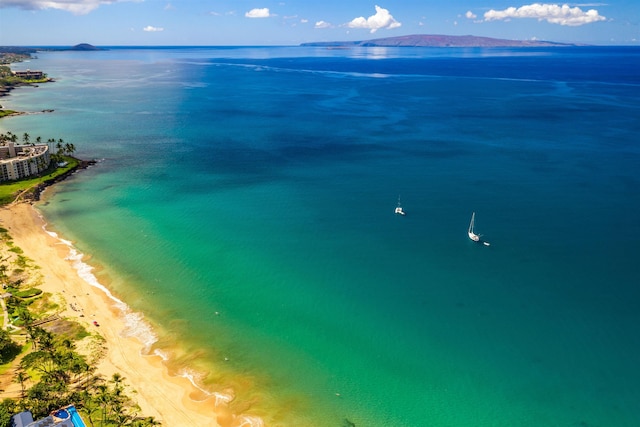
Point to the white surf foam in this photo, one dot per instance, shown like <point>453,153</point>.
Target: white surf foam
<point>137,327</point>
<point>194,378</point>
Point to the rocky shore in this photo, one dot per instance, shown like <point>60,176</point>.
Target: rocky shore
<point>35,194</point>
<point>6,89</point>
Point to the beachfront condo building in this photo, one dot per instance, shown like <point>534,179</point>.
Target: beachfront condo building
<point>29,75</point>
<point>21,161</point>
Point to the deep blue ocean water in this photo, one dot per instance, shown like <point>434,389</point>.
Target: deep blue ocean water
<point>244,203</point>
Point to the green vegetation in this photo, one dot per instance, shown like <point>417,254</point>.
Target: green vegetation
<point>53,374</point>
<point>62,161</point>
<point>39,350</point>
<point>4,113</point>
<point>10,190</point>
<point>8,348</point>
<point>9,80</point>
<point>28,293</point>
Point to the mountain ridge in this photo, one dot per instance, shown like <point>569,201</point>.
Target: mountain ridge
<point>438,40</point>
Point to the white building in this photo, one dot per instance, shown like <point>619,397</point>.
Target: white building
<point>21,161</point>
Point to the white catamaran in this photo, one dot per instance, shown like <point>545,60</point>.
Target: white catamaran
<point>472,235</point>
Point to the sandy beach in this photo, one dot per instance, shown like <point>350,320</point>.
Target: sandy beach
<point>159,395</point>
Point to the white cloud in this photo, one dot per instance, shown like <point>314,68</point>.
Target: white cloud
<point>322,24</point>
<point>151,29</point>
<point>552,13</point>
<point>304,21</point>
<point>382,19</point>
<point>470,15</point>
<point>258,13</point>
<point>77,7</point>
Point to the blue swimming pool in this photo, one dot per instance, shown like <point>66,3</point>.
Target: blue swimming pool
<point>63,414</point>
<point>75,417</point>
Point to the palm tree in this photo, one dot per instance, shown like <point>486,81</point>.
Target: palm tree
<point>75,365</point>
<point>69,148</point>
<point>123,417</point>
<point>39,361</point>
<point>45,340</point>
<point>89,410</point>
<point>25,138</point>
<point>6,137</point>
<point>3,273</point>
<point>103,398</point>
<point>27,318</point>
<point>31,336</point>
<point>21,377</point>
<point>117,380</point>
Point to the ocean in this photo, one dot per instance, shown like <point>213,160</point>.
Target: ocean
<point>243,208</point>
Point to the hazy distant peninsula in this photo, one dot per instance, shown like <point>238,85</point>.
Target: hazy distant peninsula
<point>27,52</point>
<point>436,40</point>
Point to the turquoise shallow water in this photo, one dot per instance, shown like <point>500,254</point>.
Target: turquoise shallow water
<point>260,184</point>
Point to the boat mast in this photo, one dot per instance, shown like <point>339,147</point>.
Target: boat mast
<point>471,224</point>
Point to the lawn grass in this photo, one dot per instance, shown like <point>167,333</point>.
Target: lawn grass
<point>10,190</point>
<point>4,113</point>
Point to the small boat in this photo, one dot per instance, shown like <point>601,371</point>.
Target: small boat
<point>399,210</point>
<point>472,235</point>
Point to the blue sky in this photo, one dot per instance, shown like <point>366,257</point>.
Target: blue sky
<point>291,22</point>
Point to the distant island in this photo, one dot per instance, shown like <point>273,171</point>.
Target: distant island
<point>436,40</point>
<point>85,46</point>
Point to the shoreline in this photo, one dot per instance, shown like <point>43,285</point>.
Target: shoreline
<point>167,398</point>
<point>24,113</point>
<point>172,398</point>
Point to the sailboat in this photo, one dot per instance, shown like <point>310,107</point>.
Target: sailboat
<point>472,235</point>
<point>399,210</point>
